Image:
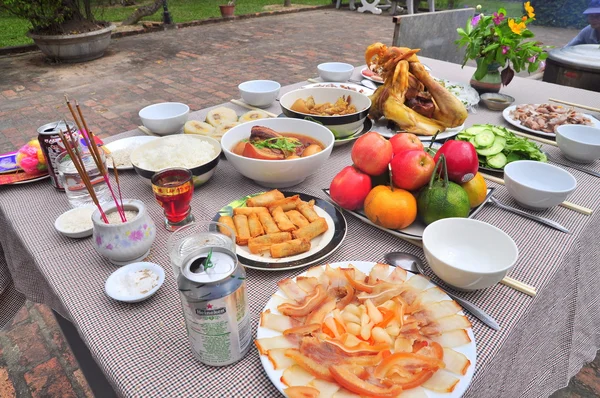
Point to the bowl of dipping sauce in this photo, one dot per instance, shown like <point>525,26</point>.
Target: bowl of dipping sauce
<point>468,254</point>
<point>497,101</point>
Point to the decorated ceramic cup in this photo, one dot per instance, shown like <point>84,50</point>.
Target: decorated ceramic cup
<point>124,242</point>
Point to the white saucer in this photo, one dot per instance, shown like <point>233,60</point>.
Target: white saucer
<point>110,287</point>
<point>60,227</point>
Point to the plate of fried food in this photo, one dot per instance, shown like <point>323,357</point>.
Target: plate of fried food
<point>283,230</point>
<point>354,329</point>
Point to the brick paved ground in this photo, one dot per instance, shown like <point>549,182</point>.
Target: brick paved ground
<point>200,66</point>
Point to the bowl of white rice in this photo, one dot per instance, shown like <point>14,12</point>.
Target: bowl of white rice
<point>199,154</point>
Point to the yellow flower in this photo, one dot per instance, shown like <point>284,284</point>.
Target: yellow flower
<point>529,9</point>
<point>517,28</point>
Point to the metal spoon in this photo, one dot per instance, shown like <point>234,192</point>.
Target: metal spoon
<point>541,220</point>
<point>553,159</point>
<point>414,264</point>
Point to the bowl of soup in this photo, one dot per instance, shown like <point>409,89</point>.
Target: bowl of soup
<point>278,153</point>
<point>341,110</point>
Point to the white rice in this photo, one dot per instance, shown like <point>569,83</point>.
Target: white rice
<point>77,220</point>
<point>115,218</point>
<point>176,151</point>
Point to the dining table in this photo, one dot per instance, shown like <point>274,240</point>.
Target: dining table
<point>143,349</point>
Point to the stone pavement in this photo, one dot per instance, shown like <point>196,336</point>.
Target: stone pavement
<point>200,66</point>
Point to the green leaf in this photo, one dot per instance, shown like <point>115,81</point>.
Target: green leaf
<point>491,47</point>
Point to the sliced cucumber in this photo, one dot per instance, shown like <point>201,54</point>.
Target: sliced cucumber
<point>496,161</point>
<point>463,137</point>
<point>476,129</point>
<point>497,147</point>
<point>499,131</point>
<point>472,141</point>
<point>485,139</point>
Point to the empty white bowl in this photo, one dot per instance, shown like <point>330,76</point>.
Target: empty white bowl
<point>579,143</point>
<point>278,173</point>
<point>468,254</point>
<point>259,93</point>
<point>335,71</point>
<point>538,185</point>
<point>165,118</point>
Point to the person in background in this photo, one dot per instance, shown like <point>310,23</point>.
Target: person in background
<point>591,33</point>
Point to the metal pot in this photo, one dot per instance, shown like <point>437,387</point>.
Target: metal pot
<point>575,66</point>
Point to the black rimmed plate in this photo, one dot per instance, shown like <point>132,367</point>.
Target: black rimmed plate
<point>415,230</point>
<point>321,246</point>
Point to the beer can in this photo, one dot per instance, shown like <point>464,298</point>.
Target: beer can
<point>214,297</point>
<point>52,146</point>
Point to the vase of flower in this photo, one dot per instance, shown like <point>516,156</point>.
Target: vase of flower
<point>491,82</point>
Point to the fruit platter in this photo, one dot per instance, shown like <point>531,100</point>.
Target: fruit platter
<point>497,146</point>
<point>386,331</point>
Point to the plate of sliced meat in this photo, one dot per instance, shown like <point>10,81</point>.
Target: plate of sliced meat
<point>543,119</point>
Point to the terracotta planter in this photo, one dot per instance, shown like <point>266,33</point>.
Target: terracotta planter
<point>74,48</point>
<point>227,11</point>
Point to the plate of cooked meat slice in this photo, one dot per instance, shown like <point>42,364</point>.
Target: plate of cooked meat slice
<point>544,119</point>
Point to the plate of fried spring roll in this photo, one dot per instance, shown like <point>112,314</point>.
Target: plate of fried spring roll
<point>278,230</point>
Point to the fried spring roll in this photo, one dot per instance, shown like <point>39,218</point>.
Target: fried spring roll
<point>265,198</point>
<point>282,221</point>
<point>256,228</point>
<point>264,242</point>
<point>267,222</point>
<point>307,211</point>
<point>312,230</point>
<point>297,218</point>
<point>249,210</point>
<point>227,220</point>
<point>242,228</point>
<point>286,203</point>
<point>290,248</point>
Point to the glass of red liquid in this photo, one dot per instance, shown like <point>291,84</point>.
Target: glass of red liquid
<point>173,189</point>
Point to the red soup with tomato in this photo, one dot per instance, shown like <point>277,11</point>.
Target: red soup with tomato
<point>267,144</point>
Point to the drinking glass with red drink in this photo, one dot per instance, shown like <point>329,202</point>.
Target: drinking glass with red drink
<point>173,189</point>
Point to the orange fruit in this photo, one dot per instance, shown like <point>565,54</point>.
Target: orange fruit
<point>476,190</point>
<point>395,209</point>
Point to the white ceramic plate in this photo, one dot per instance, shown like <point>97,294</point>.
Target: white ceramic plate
<point>126,144</point>
<point>376,79</point>
<point>349,86</point>
<point>469,350</point>
<point>464,92</point>
<point>110,287</point>
<point>59,224</point>
<point>517,123</point>
<point>381,126</point>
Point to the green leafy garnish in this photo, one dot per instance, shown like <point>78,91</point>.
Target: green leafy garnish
<point>285,144</point>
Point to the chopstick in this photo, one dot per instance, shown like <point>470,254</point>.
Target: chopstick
<point>311,80</point>
<point>147,131</point>
<point>534,138</point>
<point>245,105</point>
<point>589,108</point>
<point>565,204</point>
<point>508,281</point>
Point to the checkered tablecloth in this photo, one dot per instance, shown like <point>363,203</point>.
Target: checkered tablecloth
<point>143,347</point>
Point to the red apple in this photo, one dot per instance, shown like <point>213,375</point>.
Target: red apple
<point>461,160</point>
<point>372,153</point>
<point>405,142</point>
<point>412,169</point>
<point>350,187</point>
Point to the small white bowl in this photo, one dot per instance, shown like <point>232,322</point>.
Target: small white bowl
<point>112,283</point>
<point>538,185</point>
<point>278,173</point>
<point>81,214</point>
<point>165,118</point>
<point>335,71</point>
<point>259,93</point>
<point>468,254</point>
<point>579,143</point>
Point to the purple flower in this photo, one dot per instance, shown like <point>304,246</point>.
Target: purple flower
<point>99,240</point>
<point>136,235</point>
<point>542,65</point>
<point>498,18</point>
<point>109,246</point>
<point>475,20</point>
<point>505,49</point>
<point>532,59</point>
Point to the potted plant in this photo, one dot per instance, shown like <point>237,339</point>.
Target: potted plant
<point>497,41</point>
<point>64,30</point>
<point>227,10</point>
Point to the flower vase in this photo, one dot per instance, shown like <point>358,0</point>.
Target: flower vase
<point>491,82</point>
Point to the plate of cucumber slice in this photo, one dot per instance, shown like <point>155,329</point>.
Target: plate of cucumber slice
<point>496,146</point>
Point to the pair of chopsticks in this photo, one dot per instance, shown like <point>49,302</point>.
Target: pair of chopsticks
<point>90,142</point>
<point>568,205</point>
<point>253,108</point>
<point>589,108</point>
<point>507,281</point>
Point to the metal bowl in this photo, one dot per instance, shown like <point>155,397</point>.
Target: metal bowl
<point>497,101</point>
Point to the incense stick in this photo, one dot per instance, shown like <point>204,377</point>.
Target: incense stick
<point>118,184</point>
<point>82,173</point>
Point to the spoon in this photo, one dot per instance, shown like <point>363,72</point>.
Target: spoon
<point>414,264</point>
<point>573,166</point>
